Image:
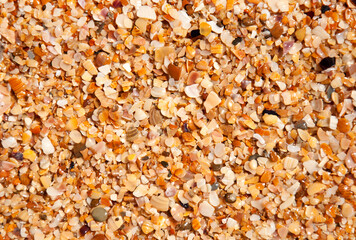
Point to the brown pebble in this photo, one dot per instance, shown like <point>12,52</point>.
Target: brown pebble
<point>174,71</point>
<point>185,226</point>
<point>189,8</point>
<point>216,167</point>
<point>25,179</point>
<point>101,59</point>
<point>230,198</point>
<point>277,30</point>
<point>343,125</point>
<point>43,216</point>
<point>99,237</point>
<point>83,230</point>
<point>77,148</point>
<point>94,203</point>
<point>248,21</point>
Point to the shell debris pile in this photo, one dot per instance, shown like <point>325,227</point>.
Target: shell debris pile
<point>173,119</point>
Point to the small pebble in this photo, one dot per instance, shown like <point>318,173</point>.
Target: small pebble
<point>216,167</point>
<point>71,165</point>
<point>99,214</point>
<point>329,91</point>
<point>347,210</point>
<point>25,179</point>
<point>17,155</point>
<point>99,237</point>
<point>77,148</point>
<point>185,226</point>
<point>253,164</point>
<point>277,30</point>
<point>174,71</point>
<point>300,34</point>
<point>301,124</point>
<point>206,209</point>
<point>205,29</point>
<point>94,203</point>
<point>47,146</point>
<point>219,150</point>
<point>146,12</point>
<point>325,8</point>
<point>9,142</point>
<point>185,205</point>
<point>164,164</point>
<point>315,187</point>
<point>270,112</point>
<point>237,41</point>
<point>101,59</point>
<point>294,227</point>
<point>145,158</point>
<point>248,21</point>
<point>185,127</point>
<point>189,9</point>
<point>192,91</point>
<point>214,186</point>
<point>327,62</point>
<point>230,197</point>
<point>254,156</point>
<point>83,230</point>
<point>43,216</point>
<point>195,33</point>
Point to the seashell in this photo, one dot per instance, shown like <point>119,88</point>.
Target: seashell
<point>351,3</point>
<point>192,91</point>
<point>177,212</point>
<point>170,191</point>
<point>140,115</point>
<point>147,227</point>
<point>158,92</point>
<point>115,223</point>
<point>131,134</point>
<point>161,203</point>
<point>155,116</point>
<point>290,163</point>
<point>114,113</point>
<point>16,85</point>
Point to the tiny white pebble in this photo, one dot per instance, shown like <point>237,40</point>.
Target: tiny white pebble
<point>253,164</point>
<point>47,146</point>
<point>146,12</point>
<point>206,209</point>
<point>9,142</point>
